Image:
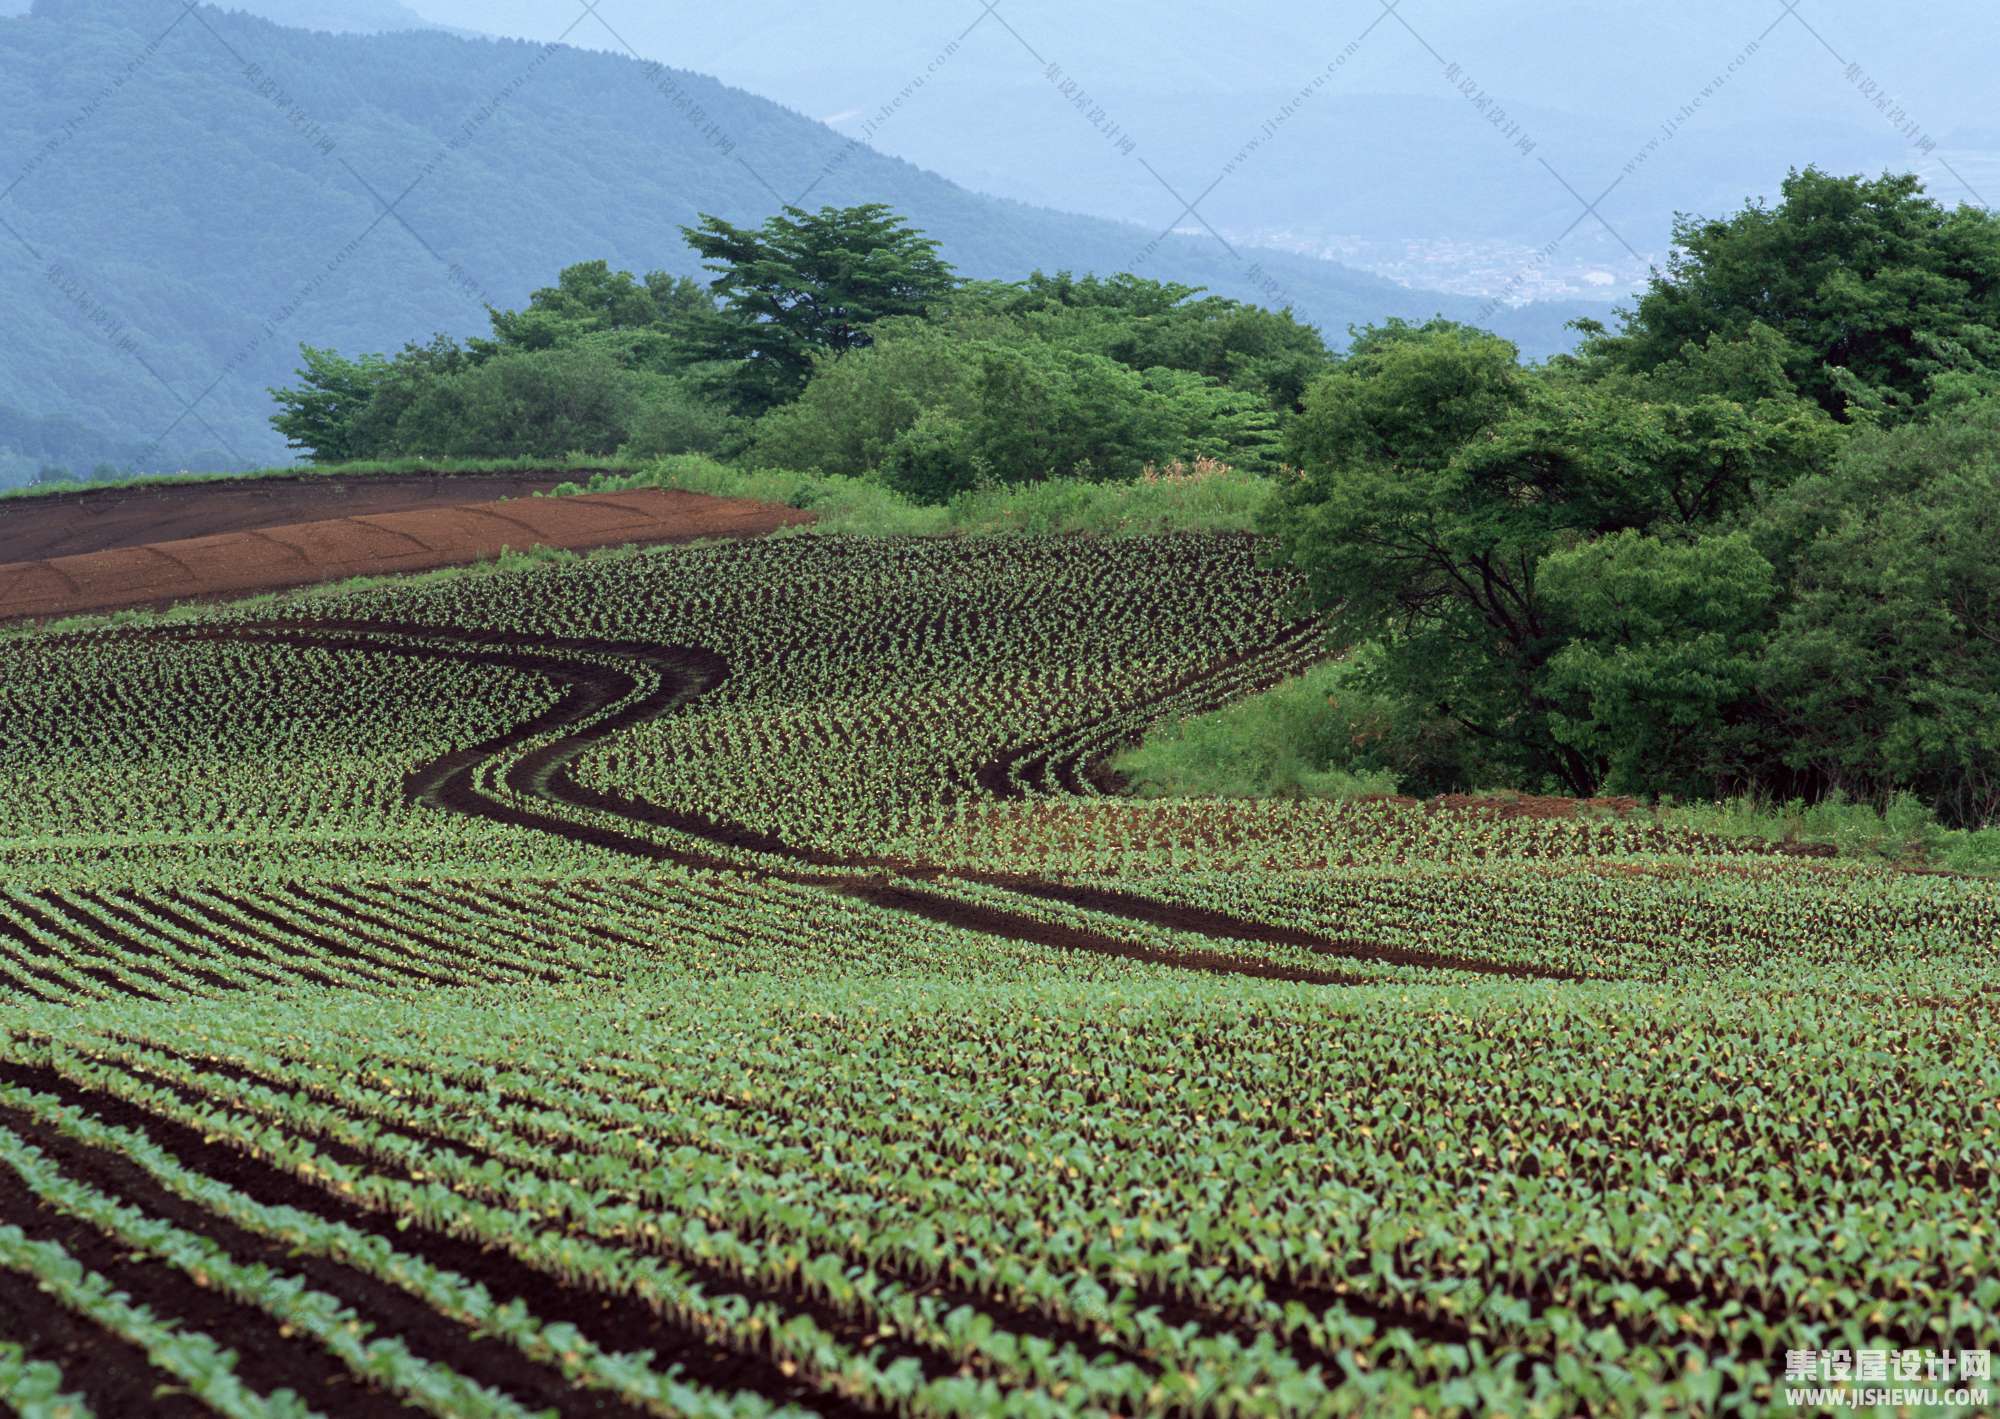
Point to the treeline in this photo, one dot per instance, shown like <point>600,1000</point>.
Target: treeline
<point>1746,544</point>
<point>834,341</point>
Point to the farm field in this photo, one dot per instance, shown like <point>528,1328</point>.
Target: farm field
<point>725,980</point>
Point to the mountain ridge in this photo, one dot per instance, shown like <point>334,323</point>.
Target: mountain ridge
<point>193,200</point>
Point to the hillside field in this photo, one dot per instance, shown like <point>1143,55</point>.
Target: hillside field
<point>726,979</point>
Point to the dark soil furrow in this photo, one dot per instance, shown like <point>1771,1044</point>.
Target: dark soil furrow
<point>1317,1295</point>
<point>103,907</point>
<point>468,1154</point>
<point>618,1324</point>
<point>494,919</point>
<point>115,933</point>
<point>1206,921</point>
<point>391,1310</point>
<point>106,951</point>
<point>109,1373</point>
<point>25,973</point>
<point>600,701</point>
<point>276,930</point>
<point>319,908</point>
<point>277,970</point>
<point>368,946</point>
<point>860,1334</point>
<point>1175,1310</point>
<point>266,1359</point>
<point>32,948</point>
<point>614,1323</point>
<point>277,942</point>
<point>352,904</point>
<point>996,921</point>
<point>1010,1316</point>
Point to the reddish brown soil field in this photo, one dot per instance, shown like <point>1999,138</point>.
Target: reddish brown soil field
<point>96,520</point>
<point>276,555</point>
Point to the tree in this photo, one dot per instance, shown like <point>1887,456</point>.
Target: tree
<point>1439,477</point>
<point>1682,560</point>
<point>1879,296</point>
<point>675,416</point>
<point>1884,671</point>
<point>321,415</point>
<point>589,298</point>
<point>1213,420</point>
<point>1657,684</point>
<point>530,403</point>
<point>1041,411</point>
<point>853,409</point>
<point>938,413</point>
<point>802,285</point>
<point>378,430</point>
<point>1147,324</point>
<point>933,459</point>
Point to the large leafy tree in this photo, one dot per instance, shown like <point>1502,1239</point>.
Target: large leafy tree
<point>322,415</point>
<point>1884,670</point>
<point>1878,296</point>
<point>590,299</point>
<point>1150,324</point>
<point>1656,683</point>
<point>569,372</point>
<point>535,403</point>
<point>806,285</point>
<point>939,411</point>
<point>1438,476</point>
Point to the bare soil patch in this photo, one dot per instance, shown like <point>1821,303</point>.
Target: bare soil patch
<point>275,556</point>
<point>99,519</point>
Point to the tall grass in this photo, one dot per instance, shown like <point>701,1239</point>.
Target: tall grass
<point>1288,742</point>
<point>1212,498</point>
<point>1903,830</point>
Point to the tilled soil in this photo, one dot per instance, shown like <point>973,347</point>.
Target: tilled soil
<point>279,555</point>
<point>100,519</point>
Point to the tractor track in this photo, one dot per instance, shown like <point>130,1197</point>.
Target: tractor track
<point>524,775</point>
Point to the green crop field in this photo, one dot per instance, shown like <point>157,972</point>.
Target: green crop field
<point>727,980</point>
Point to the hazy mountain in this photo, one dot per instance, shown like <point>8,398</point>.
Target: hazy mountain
<point>1372,151</point>
<point>334,16</point>
<point>182,211</point>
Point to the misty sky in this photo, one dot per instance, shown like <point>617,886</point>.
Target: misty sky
<point>1339,129</point>
<point>1350,131</point>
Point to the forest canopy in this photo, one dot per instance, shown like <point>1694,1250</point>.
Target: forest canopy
<point>1741,545</point>
<point>835,341</point>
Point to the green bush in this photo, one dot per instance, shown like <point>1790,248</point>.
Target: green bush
<point>941,409</point>
<point>673,417</point>
<point>1904,830</point>
<point>933,459</point>
<point>1213,500</point>
<point>1312,737</point>
<point>540,403</point>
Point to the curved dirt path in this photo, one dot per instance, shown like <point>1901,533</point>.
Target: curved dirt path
<point>534,762</point>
